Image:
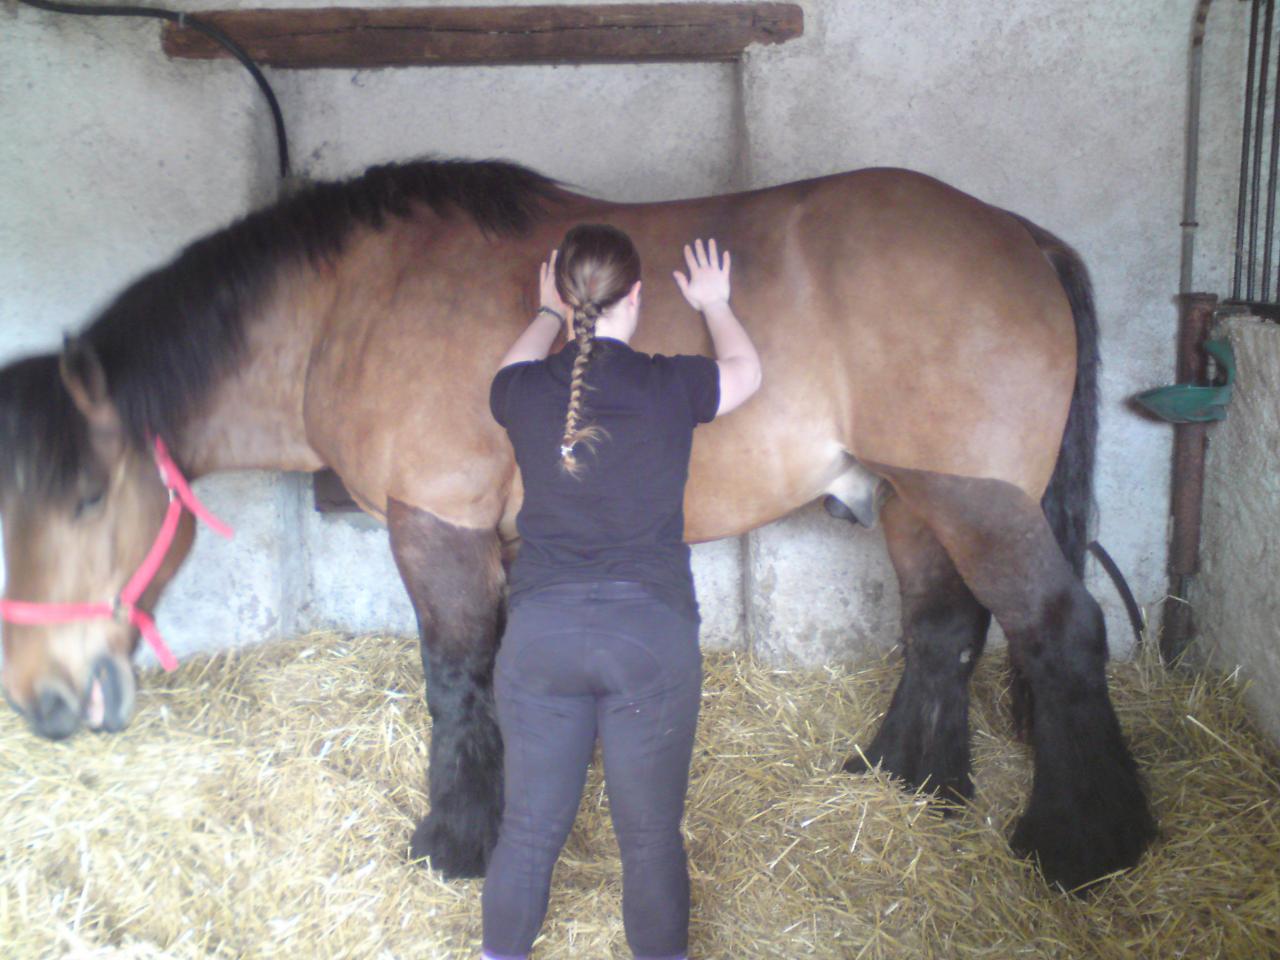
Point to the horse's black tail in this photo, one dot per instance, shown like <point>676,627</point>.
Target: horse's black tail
<point>1068,501</point>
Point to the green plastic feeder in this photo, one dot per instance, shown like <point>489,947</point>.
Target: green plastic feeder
<point>1189,402</point>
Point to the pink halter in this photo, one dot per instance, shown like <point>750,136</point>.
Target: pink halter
<point>125,603</point>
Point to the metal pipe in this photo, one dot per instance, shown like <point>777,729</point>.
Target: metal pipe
<point>1190,440</point>
<point>1271,192</point>
<point>1245,143</point>
<point>1191,178</point>
<point>1264,71</point>
<point>1195,315</point>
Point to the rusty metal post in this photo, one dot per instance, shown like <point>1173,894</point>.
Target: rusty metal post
<point>1190,441</point>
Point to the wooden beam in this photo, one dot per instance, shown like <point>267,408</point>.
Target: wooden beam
<point>449,36</point>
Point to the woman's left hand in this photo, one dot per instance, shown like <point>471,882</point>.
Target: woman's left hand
<point>548,295</point>
<point>539,336</point>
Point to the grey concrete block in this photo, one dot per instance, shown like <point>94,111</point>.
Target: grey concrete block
<point>353,583</point>
<point>717,576</point>
<point>228,594</point>
<point>818,590</point>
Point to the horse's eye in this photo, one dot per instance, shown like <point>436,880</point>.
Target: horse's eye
<point>90,501</point>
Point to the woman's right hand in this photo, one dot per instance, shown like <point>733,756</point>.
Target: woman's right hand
<point>708,281</point>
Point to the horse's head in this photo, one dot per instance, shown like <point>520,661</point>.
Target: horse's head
<point>82,501</point>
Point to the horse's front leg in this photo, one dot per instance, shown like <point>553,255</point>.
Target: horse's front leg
<point>454,576</point>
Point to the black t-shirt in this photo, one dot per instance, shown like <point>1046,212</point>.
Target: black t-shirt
<point>622,517</point>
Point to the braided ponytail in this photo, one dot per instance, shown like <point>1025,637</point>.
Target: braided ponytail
<point>596,267</point>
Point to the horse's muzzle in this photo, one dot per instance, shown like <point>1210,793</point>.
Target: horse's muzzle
<point>112,692</point>
<point>105,707</point>
<point>55,712</point>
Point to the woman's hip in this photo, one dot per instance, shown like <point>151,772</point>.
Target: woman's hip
<point>601,637</point>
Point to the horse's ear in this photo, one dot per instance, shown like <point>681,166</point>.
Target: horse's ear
<point>82,374</point>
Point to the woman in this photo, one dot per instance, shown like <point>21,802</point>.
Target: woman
<point>602,637</point>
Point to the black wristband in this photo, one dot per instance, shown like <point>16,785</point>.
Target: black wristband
<point>555,313</point>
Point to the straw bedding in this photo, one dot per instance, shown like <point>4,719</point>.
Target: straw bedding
<point>261,804</point>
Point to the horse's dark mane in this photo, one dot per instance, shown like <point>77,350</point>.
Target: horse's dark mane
<point>42,436</point>
<point>170,335</point>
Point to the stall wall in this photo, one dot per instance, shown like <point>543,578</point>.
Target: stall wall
<point>1235,601</point>
<point>1069,113</point>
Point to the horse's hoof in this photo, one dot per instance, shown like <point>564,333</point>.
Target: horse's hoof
<point>1075,854</point>
<point>949,790</point>
<point>456,858</point>
<point>1088,816</point>
<point>858,763</point>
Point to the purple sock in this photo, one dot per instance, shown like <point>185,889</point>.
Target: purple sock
<point>486,955</point>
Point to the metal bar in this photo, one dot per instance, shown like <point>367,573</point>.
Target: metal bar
<point>1245,140</point>
<point>1256,180</point>
<point>1268,233</point>
<point>1192,146</point>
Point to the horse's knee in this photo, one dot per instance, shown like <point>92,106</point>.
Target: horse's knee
<point>944,626</point>
<point>1066,646</point>
<point>946,637</point>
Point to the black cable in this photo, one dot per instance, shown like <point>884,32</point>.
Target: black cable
<point>195,23</point>
<point>1122,587</point>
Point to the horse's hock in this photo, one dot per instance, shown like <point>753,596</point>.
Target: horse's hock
<point>1234,598</point>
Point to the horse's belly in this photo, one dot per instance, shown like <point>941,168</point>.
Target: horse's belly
<point>754,469</point>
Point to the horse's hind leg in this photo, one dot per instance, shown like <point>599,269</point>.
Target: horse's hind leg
<point>1088,813</point>
<point>924,737</point>
<point>454,577</point>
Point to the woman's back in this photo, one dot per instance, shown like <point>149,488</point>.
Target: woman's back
<point>620,517</point>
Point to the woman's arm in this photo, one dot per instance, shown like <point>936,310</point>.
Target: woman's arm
<point>707,290</point>
<point>535,343</point>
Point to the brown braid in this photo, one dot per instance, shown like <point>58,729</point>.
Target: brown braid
<point>584,325</point>
<point>596,267</point>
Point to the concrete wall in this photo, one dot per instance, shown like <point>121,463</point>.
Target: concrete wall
<point>1070,113</point>
<point>1236,603</point>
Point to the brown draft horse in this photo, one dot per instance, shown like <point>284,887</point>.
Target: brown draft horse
<point>910,334</point>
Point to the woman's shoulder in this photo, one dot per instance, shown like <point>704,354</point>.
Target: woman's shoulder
<point>683,364</point>
<point>695,379</point>
<point>512,382</point>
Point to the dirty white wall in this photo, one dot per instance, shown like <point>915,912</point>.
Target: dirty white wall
<point>1237,606</point>
<point>1070,113</point>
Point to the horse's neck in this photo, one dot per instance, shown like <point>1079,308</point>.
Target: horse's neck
<point>253,417</point>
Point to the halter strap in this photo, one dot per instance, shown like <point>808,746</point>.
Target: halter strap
<point>125,602</point>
